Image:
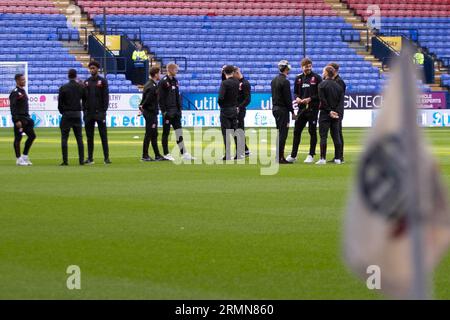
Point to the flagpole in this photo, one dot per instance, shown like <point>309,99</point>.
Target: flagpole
<point>412,180</point>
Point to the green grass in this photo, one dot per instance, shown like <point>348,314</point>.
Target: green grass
<point>164,231</point>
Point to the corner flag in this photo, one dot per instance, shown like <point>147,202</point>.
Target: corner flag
<point>398,217</point>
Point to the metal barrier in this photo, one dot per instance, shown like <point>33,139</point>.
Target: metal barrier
<point>124,31</point>
<point>85,38</point>
<point>410,33</point>
<point>60,31</point>
<point>82,30</point>
<point>170,59</point>
<point>383,51</point>
<point>444,63</point>
<point>115,64</point>
<point>107,59</point>
<point>349,35</point>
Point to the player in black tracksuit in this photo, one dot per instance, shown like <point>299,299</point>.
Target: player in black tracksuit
<point>244,100</point>
<point>282,105</point>
<point>228,103</point>
<point>94,108</point>
<point>18,101</point>
<point>341,82</point>
<point>149,109</point>
<point>69,105</point>
<point>331,95</point>
<point>306,90</point>
<point>170,105</point>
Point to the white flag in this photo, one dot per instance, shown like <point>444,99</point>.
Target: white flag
<point>396,170</point>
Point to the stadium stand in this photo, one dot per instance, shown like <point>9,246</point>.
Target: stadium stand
<point>30,33</point>
<point>208,34</point>
<point>255,44</point>
<point>428,19</point>
<point>202,8</point>
<point>32,38</point>
<point>402,8</point>
<point>262,33</point>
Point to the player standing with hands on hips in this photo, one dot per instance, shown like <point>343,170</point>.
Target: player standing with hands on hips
<point>18,101</point>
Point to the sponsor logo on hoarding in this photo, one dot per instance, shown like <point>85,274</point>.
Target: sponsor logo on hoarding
<point>114,101</point>
<point>433,100</point>
<point>209,101</point>
<point>362,101</point>
<point>37,120</point>
<point>5,121</point>
<point>440,119</point>
<point>135,100</point>
<point>4,102</point>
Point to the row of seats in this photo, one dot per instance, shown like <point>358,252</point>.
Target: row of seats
<point>205,5</point>
<point>401,8</point>
<point>401,13</point>
<point>414,2</point>
<point>30,3</point>
<point>234,1</point>
<point>255,44</point>
<point>163,18</point>
<point>445,80</point>
<point>203,8</point>
<point>203,12</point>
<point>36,18</point>
<point>34,38</point>
<point>31,9</point>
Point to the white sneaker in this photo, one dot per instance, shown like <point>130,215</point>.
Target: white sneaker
<point>188,157</point>
<point>169,157</point>
<point>309,159</point>
<point>27,160</point>
<point>337,161</point>
<point>21,162</point>
<point>291,159</point>
<point>321,162</point>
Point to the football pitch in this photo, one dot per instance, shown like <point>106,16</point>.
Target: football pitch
<point>165,231</point>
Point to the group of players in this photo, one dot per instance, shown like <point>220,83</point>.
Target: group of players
<point>90,98</point>
<point>318,100</point>
<point>89,101</point>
